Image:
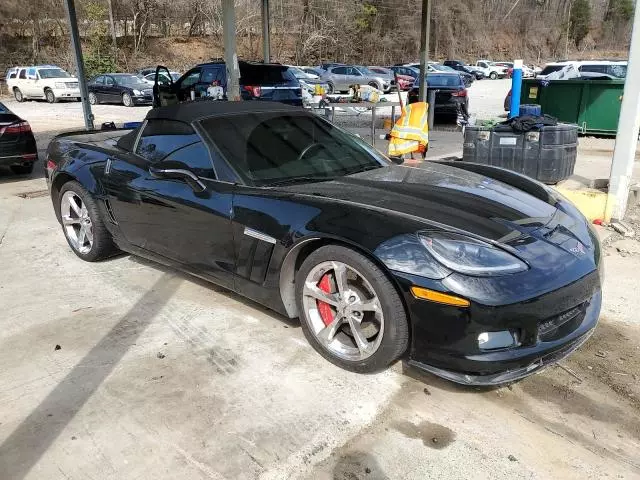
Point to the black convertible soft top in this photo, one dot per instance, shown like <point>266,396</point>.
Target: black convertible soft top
<point>191,111</point>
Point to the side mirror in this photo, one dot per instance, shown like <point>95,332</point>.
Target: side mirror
<point>177,171</point>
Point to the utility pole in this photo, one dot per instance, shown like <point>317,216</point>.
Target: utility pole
<point>628,128</point>
<point>70,7</point>
<point>266,48</point>
<point>230,50</point>
<point>425,26</point>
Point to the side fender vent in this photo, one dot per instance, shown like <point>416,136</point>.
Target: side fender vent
<point>109,210</point>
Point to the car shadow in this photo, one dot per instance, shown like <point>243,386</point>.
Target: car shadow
<point>289,322</point>
<point>24,447</point>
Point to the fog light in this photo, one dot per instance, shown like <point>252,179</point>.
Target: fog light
<point>494,340</point>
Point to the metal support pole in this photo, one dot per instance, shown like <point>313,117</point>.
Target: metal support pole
<point>77,51</point>
<point>230,51</point>
<point>628,129</point>
<point>373,125</point>
<point>432,109</point>
<point>425,26</point>
<point>516,88</point>
<point>266,49</point>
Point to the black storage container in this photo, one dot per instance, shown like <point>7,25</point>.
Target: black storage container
<point>547,154</point>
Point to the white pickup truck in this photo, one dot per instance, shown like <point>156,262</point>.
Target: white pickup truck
<point>491,70</point>
<point>42,82</point>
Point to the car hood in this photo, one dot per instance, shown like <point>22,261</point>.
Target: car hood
<point>440,195</point>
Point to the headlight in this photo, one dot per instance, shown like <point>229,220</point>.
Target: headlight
<point>59,85</point>
<point>470,256</point>
<point>137,92</point>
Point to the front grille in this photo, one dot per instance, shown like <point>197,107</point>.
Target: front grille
<point>562,324</point>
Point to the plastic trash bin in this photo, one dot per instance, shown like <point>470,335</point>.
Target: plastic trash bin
<point>547,154</point>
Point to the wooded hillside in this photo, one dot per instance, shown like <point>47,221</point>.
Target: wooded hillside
<point>125,34</point>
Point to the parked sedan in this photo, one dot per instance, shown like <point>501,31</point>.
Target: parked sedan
<point>341,77</point>
<point>18,149</point>
<point>124,88</point>
<point>450,92</point>
<point>475,273</point>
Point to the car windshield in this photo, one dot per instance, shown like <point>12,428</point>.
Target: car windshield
<point>366,71</point>
<point>298,73</point>
<point>129,80</point>
<point>277,148</point>
<point>53,73</point>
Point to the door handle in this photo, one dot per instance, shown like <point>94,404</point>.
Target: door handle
<point>179,174</point>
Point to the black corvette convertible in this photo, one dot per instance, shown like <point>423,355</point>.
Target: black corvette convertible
<point>474,273</point>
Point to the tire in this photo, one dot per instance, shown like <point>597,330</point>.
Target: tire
<point>493,75</point>
<point>93,99</point>
<point>17,94</point>
<point>384,328</point>
<point>127,101</point>
<point>101,246</point>
<point>50,96</point>
<point>22,169</point>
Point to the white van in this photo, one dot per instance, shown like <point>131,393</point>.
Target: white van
<point>46,82</point>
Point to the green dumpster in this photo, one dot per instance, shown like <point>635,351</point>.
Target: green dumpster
<point>594,105</point>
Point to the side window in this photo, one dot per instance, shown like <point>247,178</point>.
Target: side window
<point>355,72</point>
<point>208,75</point>
<point>162,137</point>
<point>23,74</point>
<point>196,157</point>
<point>109,81</point>
<point>13,74</point>
<point>191,79</point>
<point>31,73</point>
<point>339,71</point>
<point>593,68</point>
<point>99,80</point>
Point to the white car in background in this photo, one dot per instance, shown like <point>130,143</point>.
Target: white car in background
<point>491,70</point>
<point>607,68</point>
<point>47,82</point>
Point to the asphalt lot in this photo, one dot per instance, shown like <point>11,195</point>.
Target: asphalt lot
<point>161,375</point>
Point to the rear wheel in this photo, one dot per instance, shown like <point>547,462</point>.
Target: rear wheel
<point>50,96</point>
<point>22,169</point>
<point>127,101</point>
<point>93,99</point>
<point>82,225</point>
<point>17,93</point>
<point>350,311</point>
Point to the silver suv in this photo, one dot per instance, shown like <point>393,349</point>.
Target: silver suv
<point>341,77</point>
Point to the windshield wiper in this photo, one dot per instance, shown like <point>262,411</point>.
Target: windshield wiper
<point>301,179</point>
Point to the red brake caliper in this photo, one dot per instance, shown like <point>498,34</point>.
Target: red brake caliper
<point>323,307</point>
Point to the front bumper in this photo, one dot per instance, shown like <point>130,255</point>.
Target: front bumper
<point>70,93</point>
<point>445,338</point>
<point>142,99</point>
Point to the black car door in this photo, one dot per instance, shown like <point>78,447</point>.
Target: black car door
<point>96,87</point>
<point>185,220</point>
<point>111,90</point>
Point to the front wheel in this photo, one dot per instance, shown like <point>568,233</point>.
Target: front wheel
<point>93,99</point>
<point>350,311</point>
<point>50,96</point>
<point>82,225</point>
<point>493,75</point>
<point>127,101</point>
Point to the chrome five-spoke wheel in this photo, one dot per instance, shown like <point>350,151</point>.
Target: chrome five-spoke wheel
<point>344,311</point>
<point>350,311</point>
<point>76,222</point>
